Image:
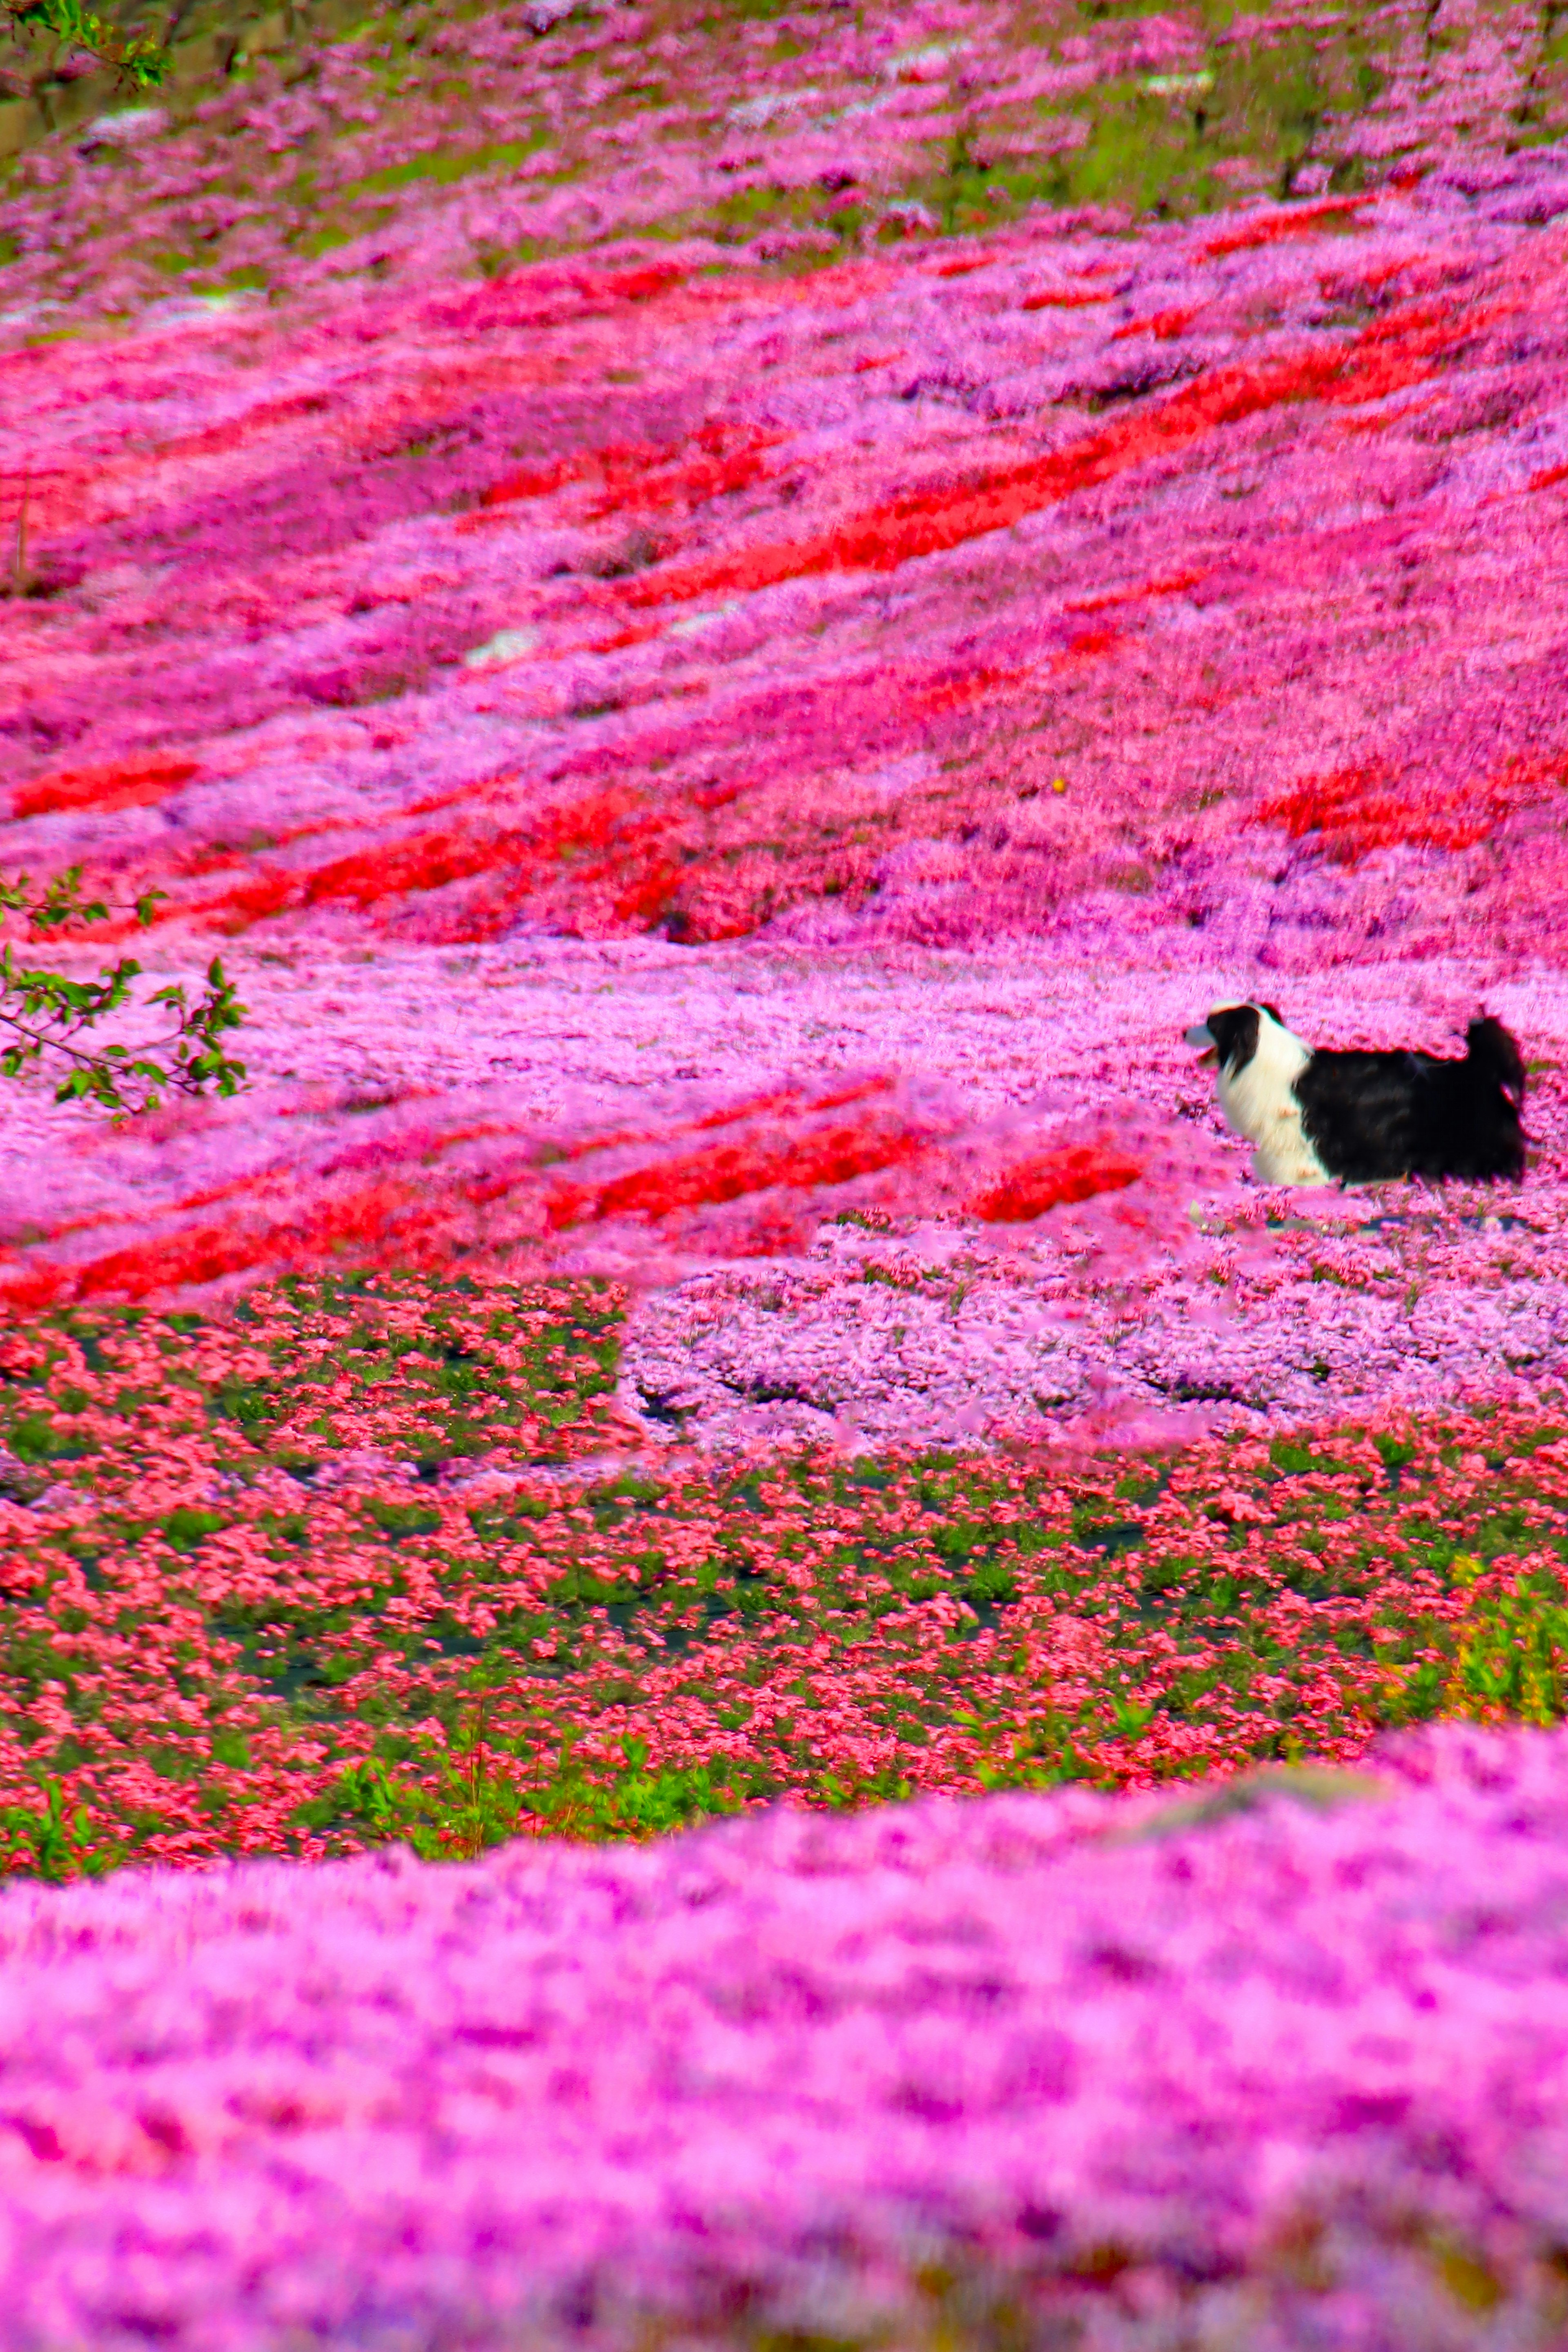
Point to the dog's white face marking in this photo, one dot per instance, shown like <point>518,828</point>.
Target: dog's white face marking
<point>1255,1092</point>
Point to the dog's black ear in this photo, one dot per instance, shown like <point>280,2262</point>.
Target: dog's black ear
<point>1233,1028</point>
<point>1275,1015</point>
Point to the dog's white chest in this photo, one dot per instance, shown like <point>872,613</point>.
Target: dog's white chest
<point>1258,1104</point>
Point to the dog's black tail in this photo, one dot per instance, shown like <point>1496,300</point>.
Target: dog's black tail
<point>1493,1054</point>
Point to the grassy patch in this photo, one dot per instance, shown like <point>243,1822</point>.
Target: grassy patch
<point>443,167</point>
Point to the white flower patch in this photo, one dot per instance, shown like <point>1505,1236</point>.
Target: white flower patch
<point>544,16</point>
<point>125,129</point>
<point>926,64</point>
<point>912,213</point>
<point>505,645</point>
<point>756,113</point>
<point>695,623</point>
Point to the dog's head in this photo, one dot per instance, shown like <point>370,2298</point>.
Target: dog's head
<point>1228,1040</point>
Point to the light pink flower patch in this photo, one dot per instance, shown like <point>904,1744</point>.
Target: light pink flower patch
<point>1293,2050</point>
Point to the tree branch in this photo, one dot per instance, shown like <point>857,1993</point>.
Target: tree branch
<point>46,1012</point>
<point>140,64</point>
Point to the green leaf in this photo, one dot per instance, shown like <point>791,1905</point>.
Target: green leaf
<point>139,62</point>
<point>47,1012</point>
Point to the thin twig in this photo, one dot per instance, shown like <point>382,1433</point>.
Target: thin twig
<point>21,580</point>
<point>476,1775</point>
<point>72,1053</point>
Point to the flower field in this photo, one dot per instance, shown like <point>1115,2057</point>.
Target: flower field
<point>731,616</point>
<point>373,1559</point>
<point>1280,2067</point>
<point>680,746</point>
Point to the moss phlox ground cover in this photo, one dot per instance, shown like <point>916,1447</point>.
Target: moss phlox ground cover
<point>867,1200</point>
<point>376,1560</point>
<point>733,620</point>
<point>814,615</point>
<point>456,138</point>
<point>1279,2068</point>
<point>938,673</point>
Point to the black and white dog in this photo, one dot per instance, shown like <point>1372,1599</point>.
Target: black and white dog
<point>1358,1117</point>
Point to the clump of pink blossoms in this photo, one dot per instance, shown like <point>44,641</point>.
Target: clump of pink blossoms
<point>1280,2066</point>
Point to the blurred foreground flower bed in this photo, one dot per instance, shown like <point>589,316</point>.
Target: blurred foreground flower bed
<point>1281,2065</point>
